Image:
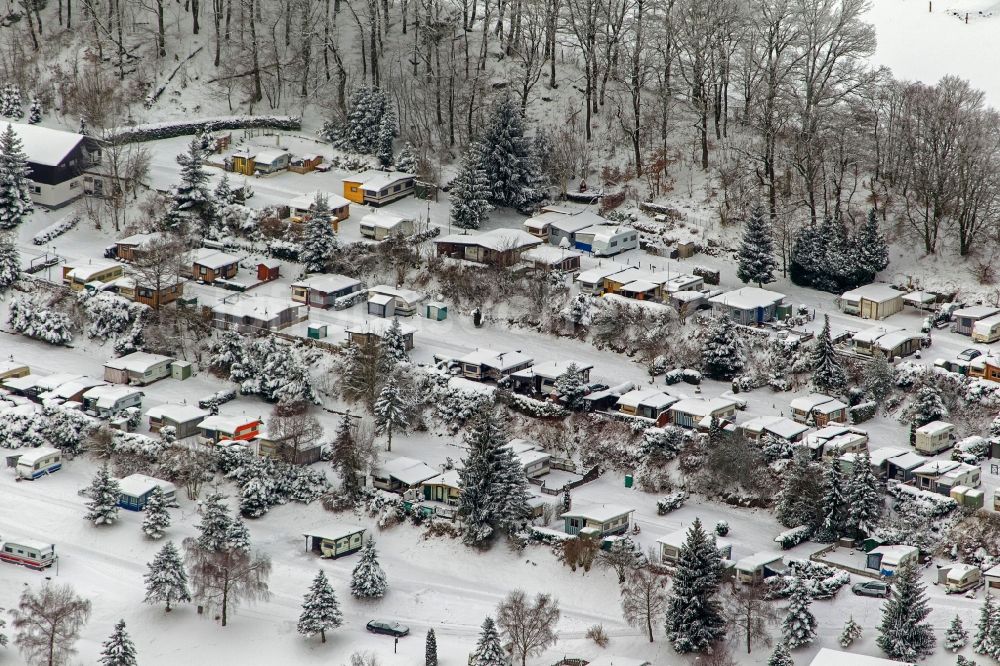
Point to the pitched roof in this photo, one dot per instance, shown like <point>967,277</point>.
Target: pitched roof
<point>137,485</point>
<point>880,293</point>
<point>408,471</point>
<point>327,282</point>
<point>494,239</point>
<point>44,145</point>
<point>378,327</point>
<point>264,308</point>
<point>376,180</point>
<point>306,201</point>
<point>137,362</point>
<point>747,298</point>
<point>600,513</point>
<point>828,657</point>
<point>209,258</point>
<point>177,413</point>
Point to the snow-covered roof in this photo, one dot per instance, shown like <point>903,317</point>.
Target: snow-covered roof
<point>672,282</point>
<point>984,325</point>
<point>807,403</point>
<point>306,201</point>
<point>594,275</point>
<point>138,362</point>
<point>780,426</point>
<point>214,259</point>
<point>137,485</point>
<point>527,458</point>
<point>960,570</point>
<point>495,359</point>
<point>376,180</point>
<point>936,467</point>
<point>333,531</point>
<point>31,544</point>
<point>748,298</point>
<point>893,339</point>
<point>24,383</point>
<point>639,286</point>
<point>870,335</point>
<point>44,145</point>
<point>702,407</point>
<point>960,470</point>
<point>753,562</point>
<point>550,370</point>
<point>140,240</point>
<point>935,428</point>
<point>378,327</point>
<point>71,388</point>
<point>919,298</point>
<point>537,222</point>
<point>686,296</point>
<point>613,660</point>
<point>908,460</point>
<point>448,478</point>
<point>85,271</point>
<point>271,155</point>
<point>605,231</point>
<point>107,396</point>
<point>993,571</point>
<point>565,222</point>
<point>880,293</point>
<point>894,554</point>
<point>177,413</point>
<point>650,397</point>
<point>31,456</point>
<point>383,220</point>
<point>408,471</point>
<point>264,308</point>
<point>599,513</point>
<point>547,254</point>
<point>627,275</point>
<point>495,239</point>
<point>976,311</point>
<point>227,424</point>
<point>327,283</point>
<point>409,296</point>
<point>53,381</point>
<point>828,657</point>
<point>677,538</point>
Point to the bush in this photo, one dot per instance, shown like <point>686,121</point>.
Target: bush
<point>56,229</point>
<point>350,300</point>
<point>170,129</point>
<point>722,528</point>
<point>822,581</point>
<point>671,502</point>
<point>862,412</point>
<point>537,408</point>
<point>597,634</point>
<point>793,537</point>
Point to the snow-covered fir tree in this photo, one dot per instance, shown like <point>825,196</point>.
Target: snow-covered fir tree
<point>392,348</point>
<point>11,105</point>
<point>722,355</point>
<point>322,242</point>
<point>489,649</point>
<point>216,524</point>
<point>871,252</point>
<point>852,632</point>
<point>157,517</point>
<point>507,158</point>
<point>986,628</point>
<point>927,406</point>
<point>166,578</point>
<point>962,661</point>
<point>320,609</point>
<point>798,628</point>
<point>191,198</point>
<point>391,410</point>
<point>225,350</point>
<point>406,159</point>
<point>387,131</point>
<point>510,487</point>
<point>10,262</point>
<point>256,496</point>
<point>756,253</point>
<point>828,374</point>
<point>864,497</point>
<point>801,499</point>
<point>431,649</point>
<point>834,504</point>
<point>15,188</point>
<point>366,108</point>
<point>470,192</point>
<point>694,619</point>
<point>368,579</point>
<point>956,637</point>
<point>781,656</point>
<point>571,387</point>
<point>118,650</point>
<point>877,379</point>
<point>35,113</point>
<point>104,492</point>
<point>904,632</point>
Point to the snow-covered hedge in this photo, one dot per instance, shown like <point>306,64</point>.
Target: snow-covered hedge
<point>282,249</point>
<point>452,405</point>
<point>671,502</point>
<point>971,450</point>
<point>923,502</point>
<point>51,426</point>
<point>172,128</point>
<point>29,317</point>
<point>793,537</point>
<point>350,300</point>
<point>862,412</point>
<point>822,581</point>
<point>56,229</point>
<point>542,409</point>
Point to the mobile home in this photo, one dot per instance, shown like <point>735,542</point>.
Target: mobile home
<point>987,329</point>
<point>748,305</point>
<point>28,552</point>
<point>887,559</point>
<point>605,240</point>
<point>380,225</point>
<point>966,318</point>
<point>335,541</point>
<point>598,520</point>
<point>136,489</point>
<point>934,437</point>
<point>37,462</point>
<point>137,368</point>
<point>109,401</point>
<point>670,546</point>
<point>872,301</point>
<point>755,568</point>
<point>378,188</point>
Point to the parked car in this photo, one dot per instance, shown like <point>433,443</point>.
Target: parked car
<point>218,398</point>
<point>388,628</point>
<point>969,354</point>
<point>871,588</point>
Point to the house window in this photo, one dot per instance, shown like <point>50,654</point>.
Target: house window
<point>37,189</point>
<point>73,184</point>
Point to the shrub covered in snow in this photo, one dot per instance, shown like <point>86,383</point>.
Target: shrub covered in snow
<point>170,129</point>
<point>822,581</point>
<point>349,301</point>
<point>56,229</point>
<point>922,501</point>
<point>971,450</point>
<point>537,408</point>
<point>793,537</point>
<point>862,412</point>
<point>55,426</point>
<point>671,502</point>
<point>30,318</point>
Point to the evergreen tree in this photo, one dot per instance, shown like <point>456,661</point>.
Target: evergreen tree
<point>511,492</point>
<point>984,642</point>
<point>391,411</point>
<point>191,198</point>
<point>851,633</point>
<point>16,105</point>
<point>15,189</point>
<point>871,252</point>
<point>347,460</point>
<point>386,133</point>
<point>406,160</point>
<point>470,192</point>
<point>722,352</point>
<point>157,518</point>
<point>368,579</point>
<point>216,523</point>
<point>321,243</point>
<point>104,493</point>
<point>392,348</point>
<point>694,619</point>
<point>571,388</point>
<point>35,114</point>
<point>320,610</point>
<point>834,506</point>
<point>166,579</point>
<point>10,262</point>
<point>807,254</point>
<point>756,253</point>
<point>864,498</point>
<point>781,656</point>
<point>118,650</point>
<point>256,497</point>
<point>927,406</point>
<point>801,498</point>
<point>962,661</point>
<point>956,637</point>
<point>507,157</point>
<point>878,378</point>
<point>431,649</point>
<point>903,632</point>
<point>366,107</point>
<point>828,374</point>
<point>799,626</point>
<point>489,650</point>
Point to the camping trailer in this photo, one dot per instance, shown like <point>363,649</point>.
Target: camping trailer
<point>32,554</point>
<point>38,462</point>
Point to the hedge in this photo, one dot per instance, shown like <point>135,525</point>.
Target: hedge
<point>170,129</point>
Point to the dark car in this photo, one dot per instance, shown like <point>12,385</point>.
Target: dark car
<point>969,354</point>
<point>871,588</point>
<point>388,628</point>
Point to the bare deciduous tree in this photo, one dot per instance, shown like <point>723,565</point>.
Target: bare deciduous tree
<point>223,579</point>
<point>644,599</point>
<point>747,609</point>
<point>48,623</point>
<point>529,627</point>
